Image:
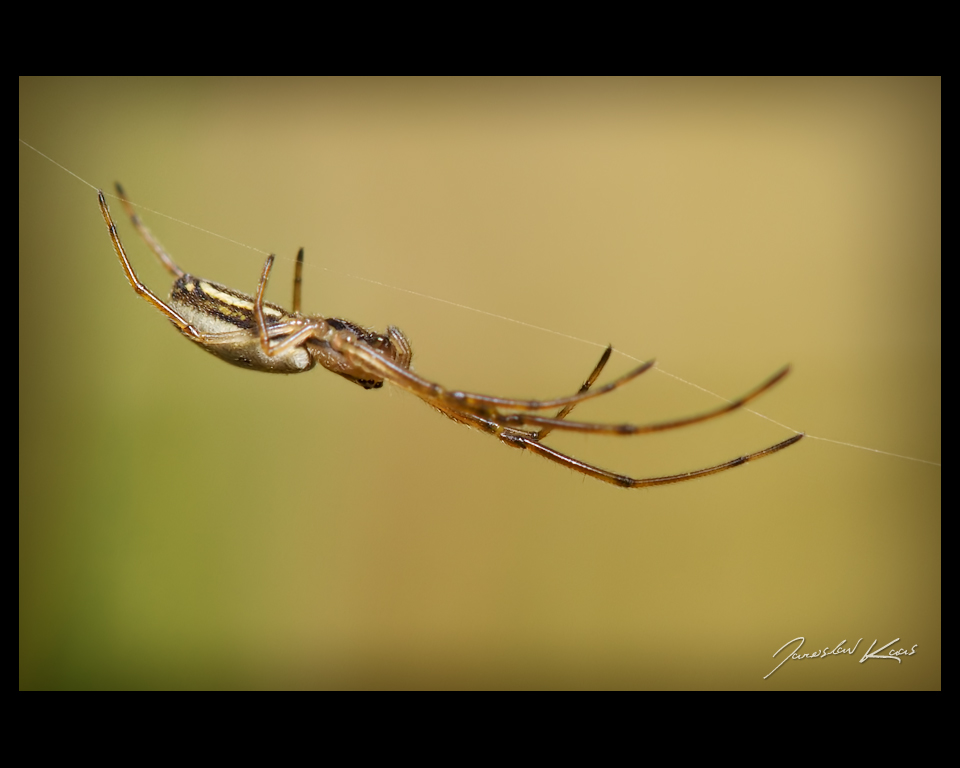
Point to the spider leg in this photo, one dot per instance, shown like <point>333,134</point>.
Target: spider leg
<point>258,306</point>
<point>531,442</point>
<point>148,237</point>
<point>482,405</point>
<point>623,481</point>
<point>297,281</point>
<point>300,329</point>
<point>565,411</point>
<point>149,296</point>
<point>402,345</point>
<point>525,420</point>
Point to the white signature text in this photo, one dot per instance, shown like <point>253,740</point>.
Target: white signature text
<point>840,650</point>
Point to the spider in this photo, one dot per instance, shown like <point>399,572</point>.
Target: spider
<point>252,333</point>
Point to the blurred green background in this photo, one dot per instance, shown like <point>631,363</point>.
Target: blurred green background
<point>184,523</point>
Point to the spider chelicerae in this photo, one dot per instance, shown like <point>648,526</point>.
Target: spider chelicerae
<point>252,333</point>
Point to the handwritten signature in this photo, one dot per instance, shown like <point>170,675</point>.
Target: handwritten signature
<point>839,650</point>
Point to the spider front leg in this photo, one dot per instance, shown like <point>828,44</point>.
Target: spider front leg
<point>483,406</point>
<point>565,411</point>
<point>623,481</point>
<point>528,420</point>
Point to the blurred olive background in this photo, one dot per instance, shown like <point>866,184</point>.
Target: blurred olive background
<point>184,523</point>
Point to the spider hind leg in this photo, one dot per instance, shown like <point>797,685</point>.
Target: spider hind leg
<point>169,264</point>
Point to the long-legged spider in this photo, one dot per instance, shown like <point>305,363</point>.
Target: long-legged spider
<point>252,333</point>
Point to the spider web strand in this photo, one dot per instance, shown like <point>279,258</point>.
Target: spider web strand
<point>468,308</point>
